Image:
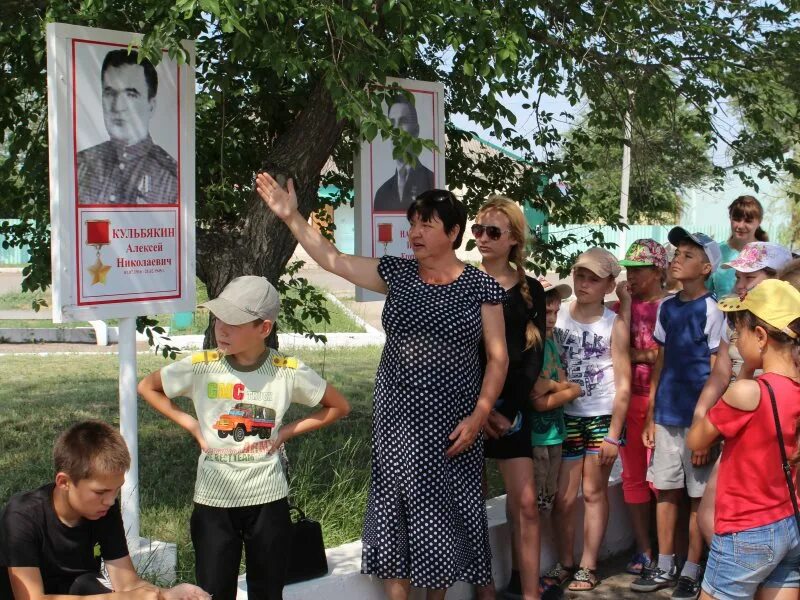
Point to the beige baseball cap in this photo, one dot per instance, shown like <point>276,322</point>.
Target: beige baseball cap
<point>246,299</point>
<point>562,289</point>
<point>600,262</point>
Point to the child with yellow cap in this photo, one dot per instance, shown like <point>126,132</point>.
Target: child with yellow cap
<point>756,539</point>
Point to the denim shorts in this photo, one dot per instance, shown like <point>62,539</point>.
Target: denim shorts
<point>739,563</point>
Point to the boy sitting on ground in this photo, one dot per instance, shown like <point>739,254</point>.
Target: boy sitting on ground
<point>53,538</point>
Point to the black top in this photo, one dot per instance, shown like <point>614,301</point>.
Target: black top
<point>31,535</point>
<point>524,366</point>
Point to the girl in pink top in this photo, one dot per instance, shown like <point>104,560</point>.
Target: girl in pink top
<point>756,540</point>
<point>639,298</point>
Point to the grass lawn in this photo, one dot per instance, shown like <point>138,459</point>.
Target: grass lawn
<point>42,395</point>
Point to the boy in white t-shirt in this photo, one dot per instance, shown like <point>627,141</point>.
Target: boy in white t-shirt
<point>593,342</point>
<point>241,393</point>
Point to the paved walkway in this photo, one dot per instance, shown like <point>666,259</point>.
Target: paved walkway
<point>616,584</point>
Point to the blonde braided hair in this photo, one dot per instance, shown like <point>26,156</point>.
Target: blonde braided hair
<point>518,227</point>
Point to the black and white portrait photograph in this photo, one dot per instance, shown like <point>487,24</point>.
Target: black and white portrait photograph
<point>397,183</point>
<point>127,115</point>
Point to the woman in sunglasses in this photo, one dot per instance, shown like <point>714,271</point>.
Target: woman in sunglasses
<point>499,232</point>
<point>425,523</point>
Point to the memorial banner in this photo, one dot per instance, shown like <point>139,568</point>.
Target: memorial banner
<point>121,176</point>
<point>385,186</point>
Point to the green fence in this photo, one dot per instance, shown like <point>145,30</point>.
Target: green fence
<point>659,233</point>
<point>10,255</point>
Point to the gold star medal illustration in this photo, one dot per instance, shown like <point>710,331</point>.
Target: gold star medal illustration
<point>98,234</point>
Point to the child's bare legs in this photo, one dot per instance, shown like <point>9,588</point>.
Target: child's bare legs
<point>778,594</point>
<point>705,512</point>
<point>595,518</point>
<point>439,595</point>
<point>397,589</point>
<point>521,503</point>
<point>695,552</point>
<point>640,520</point>
<point>667,518</point>
<point>569,483</point>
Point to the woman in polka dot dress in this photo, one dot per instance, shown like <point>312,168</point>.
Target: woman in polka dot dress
<point>425,523</point>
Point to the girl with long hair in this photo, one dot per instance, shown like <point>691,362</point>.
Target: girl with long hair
<point>499,231</point>
<point>746,214</point>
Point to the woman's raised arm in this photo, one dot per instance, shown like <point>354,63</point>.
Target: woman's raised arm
<point>359,270</point>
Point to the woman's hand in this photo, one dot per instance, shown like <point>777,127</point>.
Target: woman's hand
<point>280,201</point>
<point>465,434</point>
<point>497,425</point>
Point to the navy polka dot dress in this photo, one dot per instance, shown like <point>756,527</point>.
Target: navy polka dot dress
<point>426,517</point>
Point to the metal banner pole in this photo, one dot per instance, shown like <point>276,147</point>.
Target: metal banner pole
<point>128,425</point>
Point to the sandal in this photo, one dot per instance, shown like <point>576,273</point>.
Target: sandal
<point>558,575</point>
<point>584,576</point>
<point>638,562</point>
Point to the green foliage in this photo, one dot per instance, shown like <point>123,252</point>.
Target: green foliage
<point>667,156</point>
<point>286,84</point>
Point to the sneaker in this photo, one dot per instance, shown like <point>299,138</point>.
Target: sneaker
<point>687,588</point>
<point>653,578</point>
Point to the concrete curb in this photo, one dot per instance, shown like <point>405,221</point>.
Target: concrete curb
<point>345,581</point>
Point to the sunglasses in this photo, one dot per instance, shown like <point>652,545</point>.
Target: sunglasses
<point>493,232</point>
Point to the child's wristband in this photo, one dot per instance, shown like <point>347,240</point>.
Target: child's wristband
<point>611,441</point>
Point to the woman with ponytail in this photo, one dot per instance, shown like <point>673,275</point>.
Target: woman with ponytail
<point>499,231</point>
<point>746,214</point>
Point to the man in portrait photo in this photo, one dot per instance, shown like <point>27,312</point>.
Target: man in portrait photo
<point>398,192</point>
<point>128,168</point>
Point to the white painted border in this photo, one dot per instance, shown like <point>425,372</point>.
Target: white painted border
<point>345,581</point>
<point>59,85</point>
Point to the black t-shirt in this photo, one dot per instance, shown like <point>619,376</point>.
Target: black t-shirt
<point>31,535</point>
<point>524,366</point>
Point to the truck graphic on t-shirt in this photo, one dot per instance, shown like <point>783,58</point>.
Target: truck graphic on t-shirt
<point>245,419</point>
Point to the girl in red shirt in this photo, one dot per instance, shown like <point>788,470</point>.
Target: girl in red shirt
<point>756,541</point>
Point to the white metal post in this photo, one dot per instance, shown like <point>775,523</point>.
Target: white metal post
<point>128,425</point>
<point>626,178</point>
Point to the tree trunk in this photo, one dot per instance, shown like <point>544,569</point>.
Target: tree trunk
<point>259,243</point>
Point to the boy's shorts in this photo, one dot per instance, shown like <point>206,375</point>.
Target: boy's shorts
<point>546,465</point>
<point>671,465</point>
<point>739,563</point>
<point>584,435</point>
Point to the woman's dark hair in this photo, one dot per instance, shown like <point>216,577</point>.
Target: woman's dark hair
<point>748,208</point>
<point>442,205</point>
